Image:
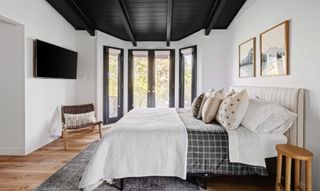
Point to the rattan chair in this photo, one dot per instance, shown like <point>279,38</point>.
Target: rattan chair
<point>77,109</point>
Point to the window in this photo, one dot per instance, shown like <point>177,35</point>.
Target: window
<point>151,79</point>
<point>188,76</point>
<point>113,84</point>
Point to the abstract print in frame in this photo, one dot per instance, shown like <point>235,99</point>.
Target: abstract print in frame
<point>274,55</point>
<point>247,59</point>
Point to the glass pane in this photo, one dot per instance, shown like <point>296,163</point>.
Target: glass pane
<point>113,86</point>
<point>187,80</point>
<point>162,82</point>
<point>140,81</point>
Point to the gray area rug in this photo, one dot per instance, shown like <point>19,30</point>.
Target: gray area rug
<point>68,177</point>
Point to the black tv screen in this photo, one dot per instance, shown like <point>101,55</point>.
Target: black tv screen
<point>54,62</point>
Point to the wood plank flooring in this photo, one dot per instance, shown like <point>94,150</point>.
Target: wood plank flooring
<point>26,173</point>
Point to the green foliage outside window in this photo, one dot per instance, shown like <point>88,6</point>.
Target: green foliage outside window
<point>140,86</point>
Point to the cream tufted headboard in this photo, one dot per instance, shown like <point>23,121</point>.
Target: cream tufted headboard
<point>290,98</point>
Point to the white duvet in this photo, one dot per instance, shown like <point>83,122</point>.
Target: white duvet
<point>145,142</point>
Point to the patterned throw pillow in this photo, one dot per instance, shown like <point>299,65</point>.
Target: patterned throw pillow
<point>206,96</point>
<point>233,109</point>
<point>230,93</point>
<point>196,104</point>
<point>73,120</point>
<point>211,107</point>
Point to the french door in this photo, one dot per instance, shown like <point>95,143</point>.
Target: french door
<point>151,78</point>
<point>188,76</point>
<point>112,84</point>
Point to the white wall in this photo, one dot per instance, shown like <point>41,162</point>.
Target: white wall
<point>42,96</point>
<point>258,15</point>
<point>86,68</point>
<point>12,81</point>
<point>211,57</point>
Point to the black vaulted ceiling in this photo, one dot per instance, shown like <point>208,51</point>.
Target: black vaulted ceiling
<point>148,20</point>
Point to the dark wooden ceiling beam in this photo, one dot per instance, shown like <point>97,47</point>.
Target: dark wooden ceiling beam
<point>76,9</point>
<point>169,21</point>
<point>126,21</point>
<point>212,12</point>
<point>215,14</point>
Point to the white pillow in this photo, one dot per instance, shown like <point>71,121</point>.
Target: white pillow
<point>206,96</point>
<point>267,117</point>
<point>232,110</point>
<point>285,126</point>
<point>73,120</point>
<point>211,107</point>
<point>258,112</point>
<point>279,122</point>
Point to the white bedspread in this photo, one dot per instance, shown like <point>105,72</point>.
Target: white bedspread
<point>246,147</point>
<point>145,142</point>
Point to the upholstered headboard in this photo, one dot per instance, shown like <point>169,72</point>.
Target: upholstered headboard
<point>290,98</point>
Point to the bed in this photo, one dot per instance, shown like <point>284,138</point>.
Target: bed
<point>204,148</point>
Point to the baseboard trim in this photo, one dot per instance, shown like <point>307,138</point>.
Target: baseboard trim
<point>32,148</point>
<point>12,151</point>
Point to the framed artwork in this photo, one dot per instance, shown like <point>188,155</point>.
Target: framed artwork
<point>274,50</point>
<point>247,59</point>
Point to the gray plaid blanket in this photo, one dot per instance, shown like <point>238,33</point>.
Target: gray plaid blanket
<point>208,149</point>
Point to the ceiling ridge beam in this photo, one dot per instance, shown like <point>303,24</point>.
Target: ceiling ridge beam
<point>169,20</point>
<point>126,21</point>
<point>215,15</point>
<point>85,20</point>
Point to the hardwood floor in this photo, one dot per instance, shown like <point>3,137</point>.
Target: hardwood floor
<point>26,173</point>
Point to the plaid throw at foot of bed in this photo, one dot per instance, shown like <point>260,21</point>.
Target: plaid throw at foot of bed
<point>208,149</point>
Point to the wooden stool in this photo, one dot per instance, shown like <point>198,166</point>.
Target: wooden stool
<point>298,154</point>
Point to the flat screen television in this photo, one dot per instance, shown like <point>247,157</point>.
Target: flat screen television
<point>54,62</point>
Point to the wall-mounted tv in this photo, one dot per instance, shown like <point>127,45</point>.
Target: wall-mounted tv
<point>54,62</point>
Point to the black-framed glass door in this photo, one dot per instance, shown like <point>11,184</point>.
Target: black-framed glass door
<point>112,84</point>
<point>151,78</point>
<point>188,76</point>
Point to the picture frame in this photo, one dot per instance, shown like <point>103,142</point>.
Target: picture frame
<point>247,58</point>
<point>274,50</point>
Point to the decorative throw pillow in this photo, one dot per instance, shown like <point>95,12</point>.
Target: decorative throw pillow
<point>211,90</point>
<point>196,105</point>
<point>206,96</point>
<point>230,93</point>
<point>232,110</point>
<point>72,120</point>
<point>211,107</point>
